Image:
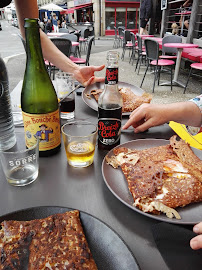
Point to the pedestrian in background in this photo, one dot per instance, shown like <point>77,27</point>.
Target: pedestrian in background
<point>42,25</point>
<point>145,15</point>
<point>73,20</point>
<point>49,26</point>
<point>55,24</point>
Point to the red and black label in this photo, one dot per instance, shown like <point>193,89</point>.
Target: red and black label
<point>111,76</point>
<point>109,128</point>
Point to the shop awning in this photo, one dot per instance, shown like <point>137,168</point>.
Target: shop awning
<point>71,10</point>
<point>83,6</point>
<point>67,11</point>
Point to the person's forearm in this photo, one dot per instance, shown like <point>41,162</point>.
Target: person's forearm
<point>55,56</point>
<point>29,9</point>
<point>186,113</point>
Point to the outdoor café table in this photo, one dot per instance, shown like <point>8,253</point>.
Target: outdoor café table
<point>84,189</point>
<point>74,43</point>
<point>56,34</point>
<point>180,47</point>
<point>158,39</point>
<point>146,36</point>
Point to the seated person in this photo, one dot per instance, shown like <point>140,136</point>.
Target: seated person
<point>187,6</point>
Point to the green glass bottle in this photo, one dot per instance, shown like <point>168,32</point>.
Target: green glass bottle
<point>38,98</point>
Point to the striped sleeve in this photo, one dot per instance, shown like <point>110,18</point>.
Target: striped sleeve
<point>198,101</point>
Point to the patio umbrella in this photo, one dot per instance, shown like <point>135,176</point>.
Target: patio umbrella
<point>51,7</point>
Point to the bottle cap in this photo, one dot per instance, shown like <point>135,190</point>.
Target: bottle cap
<point>31,23</point>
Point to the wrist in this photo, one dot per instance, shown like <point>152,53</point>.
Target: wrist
<point>186,113</point>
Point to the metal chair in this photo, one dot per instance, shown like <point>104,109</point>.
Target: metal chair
<point>197,66</point>
<point>127,43</point>
<point>120,35</point>
<point>23,41</point>
<point>132,56</point>
<point>80,61</point>
<point>116,40</point>
<point>75,49</point>
<point>64,45</point>
<point>152,52</point>
<point>170,53</point>
<point>141,54</point>
<point>83,39</point>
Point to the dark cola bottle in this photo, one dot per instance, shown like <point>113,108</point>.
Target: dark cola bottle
<point>110,106</point>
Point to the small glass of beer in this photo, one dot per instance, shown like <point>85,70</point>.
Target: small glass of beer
<point>80,139</point>
<point>64,85</point>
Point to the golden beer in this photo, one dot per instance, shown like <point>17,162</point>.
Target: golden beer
<point>80,153</point>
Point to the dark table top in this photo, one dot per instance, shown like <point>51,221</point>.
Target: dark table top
<point>84,189</point>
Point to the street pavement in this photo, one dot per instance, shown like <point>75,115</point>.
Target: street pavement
<point>12,51</point>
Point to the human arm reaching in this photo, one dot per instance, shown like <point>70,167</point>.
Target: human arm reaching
<point>150,115</point>
<point>85,74</point>
<point>196,242</point>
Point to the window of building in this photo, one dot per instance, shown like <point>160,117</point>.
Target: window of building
<point>110,18</point>
<point>120,16</point>
<point>131,18</point>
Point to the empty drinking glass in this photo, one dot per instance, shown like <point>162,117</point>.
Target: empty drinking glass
<point>21,164</point>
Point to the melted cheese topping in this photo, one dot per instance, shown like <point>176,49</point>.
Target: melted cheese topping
<point>160,196</point>
<point>131,158</point>
<point>174,166</point>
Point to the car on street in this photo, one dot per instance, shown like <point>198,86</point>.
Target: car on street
<point>14,22</point>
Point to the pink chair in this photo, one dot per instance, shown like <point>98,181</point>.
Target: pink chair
<point>83,39</point>
<point>197,66</point>
<point>64,45</point>
<point>127,43</point>
<point>141,54</point>
<point>152,52</point>
<point>170,53</point>
<point>84,61</point>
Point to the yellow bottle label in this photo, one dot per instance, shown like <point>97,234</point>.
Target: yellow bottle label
<point>46,127</point>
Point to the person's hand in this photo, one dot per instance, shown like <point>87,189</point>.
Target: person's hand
<point>196,242</point>
<point>85,75</point>
<point>146,116</point>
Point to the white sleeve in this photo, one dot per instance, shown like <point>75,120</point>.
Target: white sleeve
<point>198,101</point>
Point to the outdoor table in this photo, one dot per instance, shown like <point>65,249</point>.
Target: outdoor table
<point>159,40</point>
<point>146,36</point>
<point>183,14</point>
<point>59,184</point>
<point>56,34</point>
<point>180,47</point>
<point>74,43</point>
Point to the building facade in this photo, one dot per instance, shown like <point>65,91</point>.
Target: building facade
<point>104,14</point>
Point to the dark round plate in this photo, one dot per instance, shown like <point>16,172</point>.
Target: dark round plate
<point>92,102</point>
<point>117,184</point>
<point>108,249</point>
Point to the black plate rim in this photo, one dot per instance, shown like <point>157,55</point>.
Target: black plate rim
<point>80,211</point>
<point>156,217</point>
<point>87,88</point>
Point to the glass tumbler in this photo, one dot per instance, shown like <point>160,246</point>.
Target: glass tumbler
<point>21,164</point>
<point>80,140</point>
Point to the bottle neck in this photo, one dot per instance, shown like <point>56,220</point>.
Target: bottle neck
<point>33,46</point>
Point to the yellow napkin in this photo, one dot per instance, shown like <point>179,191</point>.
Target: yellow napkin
<point>192,135</point>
